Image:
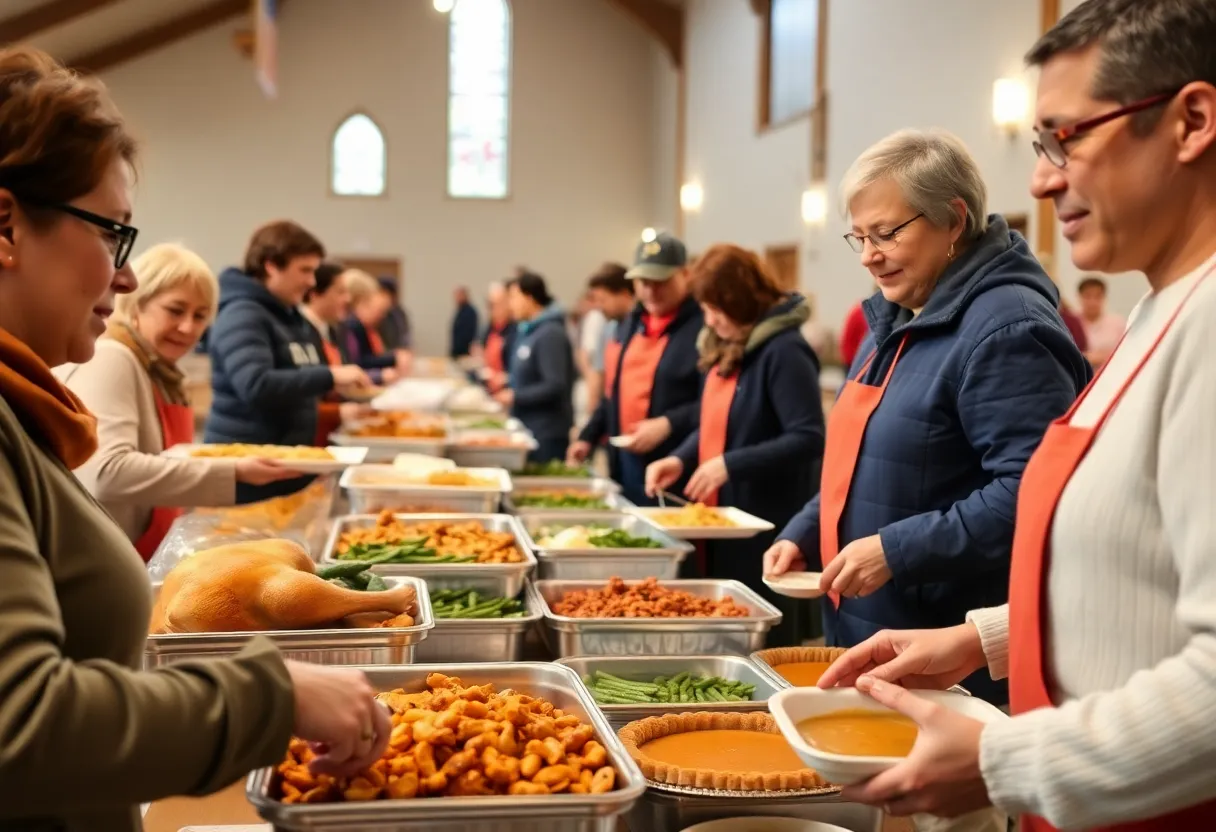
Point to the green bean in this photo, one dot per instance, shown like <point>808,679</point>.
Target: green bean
<point>375,583</point>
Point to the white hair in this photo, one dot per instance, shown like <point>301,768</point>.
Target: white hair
<point>932,169</point>
<point>162,268</point>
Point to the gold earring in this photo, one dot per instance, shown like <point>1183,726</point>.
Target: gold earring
<point>950,256</point>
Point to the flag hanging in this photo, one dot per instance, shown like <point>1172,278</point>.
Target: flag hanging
<point>266,46</point>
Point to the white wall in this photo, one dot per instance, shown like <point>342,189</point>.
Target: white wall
<point>219,159</point>
<point>664,186</point>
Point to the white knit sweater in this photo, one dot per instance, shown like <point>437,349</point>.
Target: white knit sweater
<point>1132,595</point>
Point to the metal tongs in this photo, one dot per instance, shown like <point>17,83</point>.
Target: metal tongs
<point>666,495</point>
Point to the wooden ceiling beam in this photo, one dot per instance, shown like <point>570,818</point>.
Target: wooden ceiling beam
<point>665,22</point>
<point>46,16</point>
<point>160,35</point>
<point>1045,222</point>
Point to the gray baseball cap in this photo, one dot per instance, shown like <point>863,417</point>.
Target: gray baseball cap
<point>658,259</point>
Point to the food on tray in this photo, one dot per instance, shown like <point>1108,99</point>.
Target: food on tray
<point>693,516</point>
<point>800,666</point>
<point>860,733</point>
<point>276,513</point>
<point>263,585</point>
<point>459,479</point>
<point>683,687</point>
<point>554,468</point>
<point>484,423</point>
<point>455,541</point>
<point>399,425</point>
<point>446,477</point>
<point>453,740</point>
<point>495,441</point>
<point>469,603</point>
<point>300,453</point>
<point>644,599</point>
<point>592,537</point>
<point>556,498</point>
<point>726,751</point>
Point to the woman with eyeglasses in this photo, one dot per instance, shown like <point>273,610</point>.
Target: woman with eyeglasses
<point>86,735</point>
<point>966,364</point>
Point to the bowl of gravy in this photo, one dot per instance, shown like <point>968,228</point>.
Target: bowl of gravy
<point>848,737</point>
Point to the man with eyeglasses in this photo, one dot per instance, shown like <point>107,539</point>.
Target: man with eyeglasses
<point>1109,637</point>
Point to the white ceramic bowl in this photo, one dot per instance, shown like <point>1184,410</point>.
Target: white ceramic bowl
<point>795,584</point>
<point>791,706</point>
<point>760,823</point>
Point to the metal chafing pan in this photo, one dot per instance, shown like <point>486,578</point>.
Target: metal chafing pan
<point>499,578</point>
<point>512,457</point>
<point>479,639</point>
<point>601,564</point>
<point>659,636</point>
<point>368,497</point>
<point>646,668</point>
<point>600,484</point>
<point>605,489</point>
<point>552,813</point>
<point>674,808</point>
<point>346,646</point>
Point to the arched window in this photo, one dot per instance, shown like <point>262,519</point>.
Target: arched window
<point>479,89</point>
<point>359,162</point>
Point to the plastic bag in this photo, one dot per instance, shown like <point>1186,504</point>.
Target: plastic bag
<point>303,517</point>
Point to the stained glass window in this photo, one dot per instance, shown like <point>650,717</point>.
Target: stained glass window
<point>479,89</point>
<point>360,161</point>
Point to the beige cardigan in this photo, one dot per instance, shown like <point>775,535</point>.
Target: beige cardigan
<point>126,475</point>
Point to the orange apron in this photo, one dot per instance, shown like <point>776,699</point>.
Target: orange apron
<point>375,341</point>
<point>716,399</point>
<point>493,351</point>
<point>177,428</point>
<point>638,369</point>
<point>1048,472</point>
<point>333,357</point>
<point>612,360</point>
<point>846,430</point>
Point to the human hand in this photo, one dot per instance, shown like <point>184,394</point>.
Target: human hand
<point>662,473</point>
<point>783,556</point>
<point>577,453</point>
<point>263,471</point>
<point>350,375</point>
<point>648,435</point>
<point>337,712</point>
<point>405,361</point>
<point>932,659</point>
<point>505,397</point>
<point>707,479</point>
<point>941,776</point>
<point>858,570</point>
<point>354,411</point>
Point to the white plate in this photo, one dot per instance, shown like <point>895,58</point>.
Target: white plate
<point>746,525</point>
<point>791,706</point>
<point>343,458</point>
<point>619,441</point>
<point>384,478</point>
<point>795,584</point>
<point>765,824</point>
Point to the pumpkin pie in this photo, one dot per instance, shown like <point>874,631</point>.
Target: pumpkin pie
<point>722,751</point>
<point>800,666</point>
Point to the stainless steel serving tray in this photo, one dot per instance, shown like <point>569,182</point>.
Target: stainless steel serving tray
<point>499,578</point>
<point>659,636</point>
<point>605,489</point>
<point>479,639</point>
<point>386,448</point>
<point>601,484</point>
<point>346,646</point>
<point>601,564</point>
<point>371,497</point>
<point>673,808</point>
<point>646,668</point>
<point>512,457</point>
<point>552,813</point>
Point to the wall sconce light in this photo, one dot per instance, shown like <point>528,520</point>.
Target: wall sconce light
<point>1010,104</point>
<point>692,196</point>
<point>649,235</point>
<point>443,6</point>
<point>815,205</point>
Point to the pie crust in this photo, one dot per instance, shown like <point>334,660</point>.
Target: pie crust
<point>774,656</point>
<point>636,734</point>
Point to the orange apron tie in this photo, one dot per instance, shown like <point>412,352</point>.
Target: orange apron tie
<point>493,351</point>
<point>1047,473</point>
<point>177,428</point>
<point>638,369</point>
<point>716,399</point>
<point>846,431</point>
<point>375,341</point>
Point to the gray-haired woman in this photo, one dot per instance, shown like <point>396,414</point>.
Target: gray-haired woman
<point>966,364</point>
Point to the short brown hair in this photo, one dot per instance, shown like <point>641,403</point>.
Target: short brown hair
<point>279,243</point>
<point>59,132</point>
<point>611,278</point>
<point>737,282</point>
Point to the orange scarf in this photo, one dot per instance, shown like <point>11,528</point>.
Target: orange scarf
<point>45,407</point>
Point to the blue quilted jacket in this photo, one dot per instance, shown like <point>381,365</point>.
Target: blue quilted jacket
<point>988,365</point>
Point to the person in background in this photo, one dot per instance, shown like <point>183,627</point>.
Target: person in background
<point>655,392</point>
<point>590,353</point>
<point>395,330</point>
<point>759,443</point>
<point>1102,329</point>
<point>325,308</point>
<point>1109,636</point>
<point>966,365</point>
<point>1075,326</point>
<point>133,387</point>
<point>542,371</point>
<point>369,304</point>
<point>496,343</point>
<point>611,294</point>
<point>852,333</point>
<point>464,325</point>
<point>267,375</point>
<point>74,596</point>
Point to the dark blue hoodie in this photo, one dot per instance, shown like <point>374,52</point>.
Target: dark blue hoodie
<point>988,366</point>
<point>542,375</point>
<point>266,375</point>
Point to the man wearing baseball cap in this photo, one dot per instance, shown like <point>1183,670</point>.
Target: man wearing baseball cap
<point>653,393</point>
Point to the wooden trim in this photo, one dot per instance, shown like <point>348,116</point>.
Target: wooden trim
<point>160,35</point>
<point>1045,218</point>
<point>46,16</point>
<point>764,74</point>
<point>664,22</point>
<point>819,116</point>
<point>1049,15</point>
<point>681,140</point>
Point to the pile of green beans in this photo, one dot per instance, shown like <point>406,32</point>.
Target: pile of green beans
<point>469,603</point>
<point>407,551</point>
<point>682,688</point>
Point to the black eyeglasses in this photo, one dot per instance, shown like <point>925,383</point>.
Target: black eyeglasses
<point>119,237</point>
<point>1051,143</point>
<point>884,241</point>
